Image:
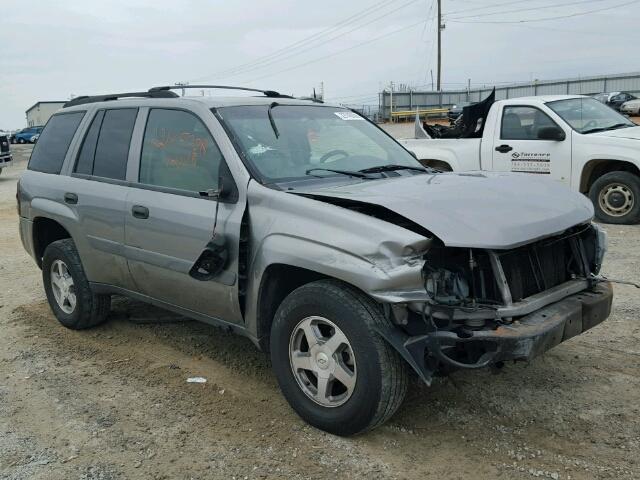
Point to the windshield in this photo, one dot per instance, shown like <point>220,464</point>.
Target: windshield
<point>285,142</point>
<point>587,115</point>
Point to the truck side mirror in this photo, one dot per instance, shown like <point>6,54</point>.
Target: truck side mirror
<point>551,133</point>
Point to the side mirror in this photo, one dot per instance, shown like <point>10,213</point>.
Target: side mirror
<point>551,133</point>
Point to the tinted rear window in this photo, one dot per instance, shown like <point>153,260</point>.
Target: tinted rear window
<point>48,154</point>
<point>112,149</point>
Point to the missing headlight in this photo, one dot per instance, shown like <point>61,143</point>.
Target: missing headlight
<point>446,287</point>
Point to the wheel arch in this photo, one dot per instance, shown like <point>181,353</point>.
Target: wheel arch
<point>277,282</point>
<point>46,231</point>
<point>596,168</point>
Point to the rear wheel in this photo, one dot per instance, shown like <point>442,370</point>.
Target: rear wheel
<point>616,198</point>
<point>333,368</point>
<point>68,291</point>
<point>21,140</point>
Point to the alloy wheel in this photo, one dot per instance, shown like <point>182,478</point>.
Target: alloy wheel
<point>322,361</point>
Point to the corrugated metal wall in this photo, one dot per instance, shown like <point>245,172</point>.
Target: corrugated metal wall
<point>627,82</point>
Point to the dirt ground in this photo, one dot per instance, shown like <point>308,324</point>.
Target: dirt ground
<point>113,402</point>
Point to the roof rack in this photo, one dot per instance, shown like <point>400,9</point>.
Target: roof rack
<point>115,96</point>
<point>266,93</point>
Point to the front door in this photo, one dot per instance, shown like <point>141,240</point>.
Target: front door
<point>168,222</point>
<point>517,147</point>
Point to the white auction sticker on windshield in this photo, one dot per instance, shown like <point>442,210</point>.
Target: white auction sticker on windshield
<point>348,115</point>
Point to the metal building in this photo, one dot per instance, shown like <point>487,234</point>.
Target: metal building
<point>40,113</point>
<point>410,100</point>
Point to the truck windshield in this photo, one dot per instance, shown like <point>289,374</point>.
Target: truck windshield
<point>587,115</point>
<point>291,142</point>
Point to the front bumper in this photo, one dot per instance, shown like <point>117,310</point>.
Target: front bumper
<point>5,160</point>
<point>523,339</point>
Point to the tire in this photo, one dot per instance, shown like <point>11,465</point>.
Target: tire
<point>380,376</point>
<point>88,309</point>
<point>21,141</point>
<point>616,198</point>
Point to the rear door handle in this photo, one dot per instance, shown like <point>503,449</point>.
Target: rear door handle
<point>70,198</point>
<point>504,148</point>
<point>139,211</point>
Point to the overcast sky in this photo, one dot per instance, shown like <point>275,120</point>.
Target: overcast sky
<point>52,50</point>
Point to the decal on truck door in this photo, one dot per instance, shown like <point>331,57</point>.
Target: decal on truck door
<point>535,162</point>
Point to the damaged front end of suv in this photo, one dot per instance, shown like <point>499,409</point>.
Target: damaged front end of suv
<point>482,307</point>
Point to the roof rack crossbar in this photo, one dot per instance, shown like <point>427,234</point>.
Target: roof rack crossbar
<point>115,96</point>
<point>266,93</point>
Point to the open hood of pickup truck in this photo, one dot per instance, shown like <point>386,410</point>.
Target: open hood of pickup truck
<point>629,132</point>
<point>478,210</point>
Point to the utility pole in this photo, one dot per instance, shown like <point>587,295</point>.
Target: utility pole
<point>440,28</point>
<point>391,102</point>
<point>182,84</point>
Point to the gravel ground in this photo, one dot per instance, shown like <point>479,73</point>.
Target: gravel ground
<point>113,402</point>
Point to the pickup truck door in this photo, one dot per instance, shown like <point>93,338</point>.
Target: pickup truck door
<point>517,148</point>
<point>168,223</point>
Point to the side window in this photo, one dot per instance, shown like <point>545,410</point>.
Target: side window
<point>178,152</point>
<point>523,123</point>
<point>48,154</point>
<point>84,163</point>
<point>105,148</point>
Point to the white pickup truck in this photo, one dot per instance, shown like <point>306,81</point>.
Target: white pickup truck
<point>572,139</point>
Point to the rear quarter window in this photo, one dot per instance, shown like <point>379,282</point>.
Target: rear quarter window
<point>48,154</point>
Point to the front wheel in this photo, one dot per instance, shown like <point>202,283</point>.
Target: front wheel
<point>332,366</point>
<point>616,198</point>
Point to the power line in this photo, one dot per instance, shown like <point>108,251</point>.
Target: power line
<point>305,40</point>
<point>310,42</point>
<point>580,2</point>
<point>299,52</point>
<point>380,37</point>
<point>577,14</point>
<point>484,7</point>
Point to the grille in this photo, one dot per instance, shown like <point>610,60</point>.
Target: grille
<point>534,268</point>
<point>4,145</point>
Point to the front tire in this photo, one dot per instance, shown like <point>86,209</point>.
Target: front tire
<point>332,366</point>
<point>616,198</point>
<point>68,291</point>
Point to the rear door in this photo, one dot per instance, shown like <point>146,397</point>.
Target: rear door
<point>97,192</point>
<point>169,223</point>
<point>517,147</point>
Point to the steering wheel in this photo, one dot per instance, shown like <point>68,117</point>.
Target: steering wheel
<point>590,124</point>
<point>325,158</point>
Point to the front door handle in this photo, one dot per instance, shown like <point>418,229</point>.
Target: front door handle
<point>70,198</point>
<point>504,148</point>
<point>139,211</point>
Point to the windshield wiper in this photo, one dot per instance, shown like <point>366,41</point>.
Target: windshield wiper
<point>603,129</point>
<point>391,168</point>
<point>343,172</point>
<point>272,121</point>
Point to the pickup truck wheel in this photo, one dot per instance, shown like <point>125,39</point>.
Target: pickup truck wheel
<point>333,368</point>
<point>21,141</point>
<point>68,291</point>
<point>616,198</point>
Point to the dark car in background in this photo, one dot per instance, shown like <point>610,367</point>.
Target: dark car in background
<point>616,101</point>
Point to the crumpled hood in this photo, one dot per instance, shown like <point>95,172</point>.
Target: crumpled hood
<point>477,209</point>
<point>630,132</point>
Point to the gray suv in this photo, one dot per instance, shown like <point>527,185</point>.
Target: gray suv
<point>308,229</point>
